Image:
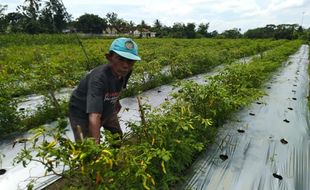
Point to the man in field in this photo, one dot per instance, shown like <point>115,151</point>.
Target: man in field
<point>95,101</point>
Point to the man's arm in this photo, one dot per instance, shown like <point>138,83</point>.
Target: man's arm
<point>94,126</point>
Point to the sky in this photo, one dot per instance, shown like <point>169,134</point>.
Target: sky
<point>220,14</point>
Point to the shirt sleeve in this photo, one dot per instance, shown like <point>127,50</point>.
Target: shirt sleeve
<point>94,94</point>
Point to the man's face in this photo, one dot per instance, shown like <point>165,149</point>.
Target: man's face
<point>121,66</point>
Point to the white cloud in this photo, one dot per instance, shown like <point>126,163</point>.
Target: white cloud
<point>173,8</point>
<point>277,5</point>
<point>222,14</point>
<point>101,3</point>
<point>234,5</point>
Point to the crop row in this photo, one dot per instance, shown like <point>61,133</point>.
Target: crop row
<point>44,69</point>
<point>23,67</point>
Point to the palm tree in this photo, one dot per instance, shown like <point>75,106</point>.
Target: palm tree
<point>157,24</point>
<point>54,15</point>
<point>33,9</point>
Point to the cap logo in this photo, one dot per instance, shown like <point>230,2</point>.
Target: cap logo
<point>129,45</point>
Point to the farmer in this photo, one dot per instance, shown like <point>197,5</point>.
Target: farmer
<point>95,101</point>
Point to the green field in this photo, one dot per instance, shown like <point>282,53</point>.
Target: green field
<point>159,149</point>
<point>43,64</point>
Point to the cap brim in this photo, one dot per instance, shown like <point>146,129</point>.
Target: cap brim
<point>128,55</point>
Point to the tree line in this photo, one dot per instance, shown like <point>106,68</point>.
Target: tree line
<point>36,16</point>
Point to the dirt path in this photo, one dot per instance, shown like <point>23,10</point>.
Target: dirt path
<point>268,147</point>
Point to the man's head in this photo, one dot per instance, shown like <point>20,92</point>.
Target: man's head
<point>123,53</point>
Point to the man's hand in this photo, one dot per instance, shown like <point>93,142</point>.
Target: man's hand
<point>94,126</point>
